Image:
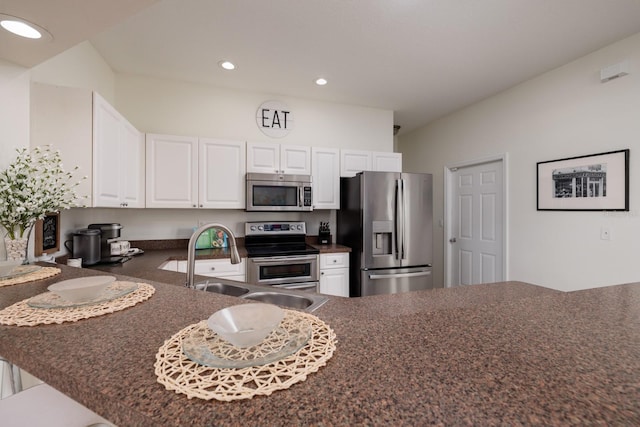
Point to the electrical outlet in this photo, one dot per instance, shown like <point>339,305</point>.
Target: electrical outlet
<point>605,233</point>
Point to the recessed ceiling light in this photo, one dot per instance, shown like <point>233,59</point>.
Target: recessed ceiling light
<point>23,28</point>
<point>227,65</point>
<point>321,81</point>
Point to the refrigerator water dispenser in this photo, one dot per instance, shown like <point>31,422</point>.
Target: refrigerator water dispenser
<point>382,238</point>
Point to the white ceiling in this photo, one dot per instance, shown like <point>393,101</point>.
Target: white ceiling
<point>420,58</point>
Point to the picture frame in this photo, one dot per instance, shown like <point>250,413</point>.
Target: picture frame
<point>595,182</point>
<point>47,237</point>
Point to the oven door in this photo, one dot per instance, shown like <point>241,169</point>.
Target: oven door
<point>282,270</point>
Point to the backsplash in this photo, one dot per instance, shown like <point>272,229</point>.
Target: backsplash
<point>161,224</point>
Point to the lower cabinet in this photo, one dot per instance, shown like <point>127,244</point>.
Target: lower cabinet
<point>217,268</point>
<point>334,274</point>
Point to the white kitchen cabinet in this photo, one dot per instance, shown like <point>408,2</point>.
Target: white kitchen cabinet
<point>269,157</point>
<point>172,171</point>
<point>325,169</point>
<point>354,161</point>
<point>191,172</point>
<point>217,268</point>
<point>118,160</point>
<point>334,274</point>
<point>221,172</point>
<point>93,136</point>
<point>387,162</point>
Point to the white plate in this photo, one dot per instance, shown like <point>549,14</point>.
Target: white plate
<point>82,288</point>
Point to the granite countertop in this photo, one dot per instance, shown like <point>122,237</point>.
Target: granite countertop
<point>506,353</point>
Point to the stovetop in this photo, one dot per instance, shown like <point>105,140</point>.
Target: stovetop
<point>264,239</point>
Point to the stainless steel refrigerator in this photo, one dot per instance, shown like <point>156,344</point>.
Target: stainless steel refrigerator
<point>386,218</point>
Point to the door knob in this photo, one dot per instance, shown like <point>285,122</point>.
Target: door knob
<point>452,240</point>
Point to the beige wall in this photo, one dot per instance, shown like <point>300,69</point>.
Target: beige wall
<point>564,113</point>
<point>14,110</point>
<point>181,108</point>
<point>81,67</point>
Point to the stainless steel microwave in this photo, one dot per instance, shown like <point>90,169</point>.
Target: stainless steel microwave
<point>278,192</point>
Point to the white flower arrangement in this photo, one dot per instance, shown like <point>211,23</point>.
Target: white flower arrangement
<point>33,185</point>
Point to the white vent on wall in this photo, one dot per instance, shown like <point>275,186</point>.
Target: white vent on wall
<point>614,71</point>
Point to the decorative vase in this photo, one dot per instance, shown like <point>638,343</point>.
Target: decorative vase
<point>18,248</point>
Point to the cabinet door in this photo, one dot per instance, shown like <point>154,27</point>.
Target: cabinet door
<point>295,159</point>
<point>335,282</point>
<point>263,157</point>
<point>132,166</point>
<point>221,171</point>
<point>171,171</point>
<point>387,162</point>
<point>354,161</point>
<point>107,155</point>
<point>325,168</point>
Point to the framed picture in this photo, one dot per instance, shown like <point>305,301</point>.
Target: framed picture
<point>47,238</point>
<point>597,182</point>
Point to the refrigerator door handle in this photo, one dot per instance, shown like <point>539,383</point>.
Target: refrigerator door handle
<point>397,219</point>
<point>399,275</point>
<point>401,215</point>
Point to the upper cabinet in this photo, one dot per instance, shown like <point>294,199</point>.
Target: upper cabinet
<point>221,174</point>
<point>172,171</point>
<point>92,135</point>
<point>325,169</point>
<point>268,157</point>
<point>191,172</point>
<point>354,161</point>
<point>387,162</point>
<point>118,160</point>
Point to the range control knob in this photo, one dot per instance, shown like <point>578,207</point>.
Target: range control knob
<point>260,228</point>
<point>253,228</point>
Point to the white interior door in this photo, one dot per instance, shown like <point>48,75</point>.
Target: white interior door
<point>476,235</point>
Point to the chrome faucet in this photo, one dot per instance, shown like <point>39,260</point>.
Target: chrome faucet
<point>191,254</point>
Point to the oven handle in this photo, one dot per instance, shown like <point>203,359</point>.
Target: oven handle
<point>275,259</point>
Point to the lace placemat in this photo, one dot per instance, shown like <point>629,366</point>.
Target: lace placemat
<point>42,273</point>
<point>21,314</point>
<point>179,373</point>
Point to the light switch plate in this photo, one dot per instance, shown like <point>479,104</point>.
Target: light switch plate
<point>605,233</point>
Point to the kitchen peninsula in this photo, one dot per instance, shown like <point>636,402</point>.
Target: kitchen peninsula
<point>505,353</point>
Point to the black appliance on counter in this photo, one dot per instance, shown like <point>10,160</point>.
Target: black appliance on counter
<point>108,233</point>
<point>279,256</point>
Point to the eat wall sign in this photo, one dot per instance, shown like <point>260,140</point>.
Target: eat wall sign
<point>274,119</point>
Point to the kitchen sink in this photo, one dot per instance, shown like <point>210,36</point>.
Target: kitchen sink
<point>282,299</point>
<point>222,288</point>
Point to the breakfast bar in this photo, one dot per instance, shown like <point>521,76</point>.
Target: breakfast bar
<point>503,353</point>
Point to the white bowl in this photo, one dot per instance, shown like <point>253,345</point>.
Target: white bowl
<point>246,325</point>
<point>81,289</point>
<point>6,267</point>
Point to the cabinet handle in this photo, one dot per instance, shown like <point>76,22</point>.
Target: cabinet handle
<point>213,269</point>
<point>322,273</point>
<point>194,206</point>
<point>335,260</point>
<point>200,205</point>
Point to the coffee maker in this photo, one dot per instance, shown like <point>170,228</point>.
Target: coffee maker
<point>85,244</point>
<point>108,233</point>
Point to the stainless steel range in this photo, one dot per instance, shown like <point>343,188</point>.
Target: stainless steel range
<point>279,256</point>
